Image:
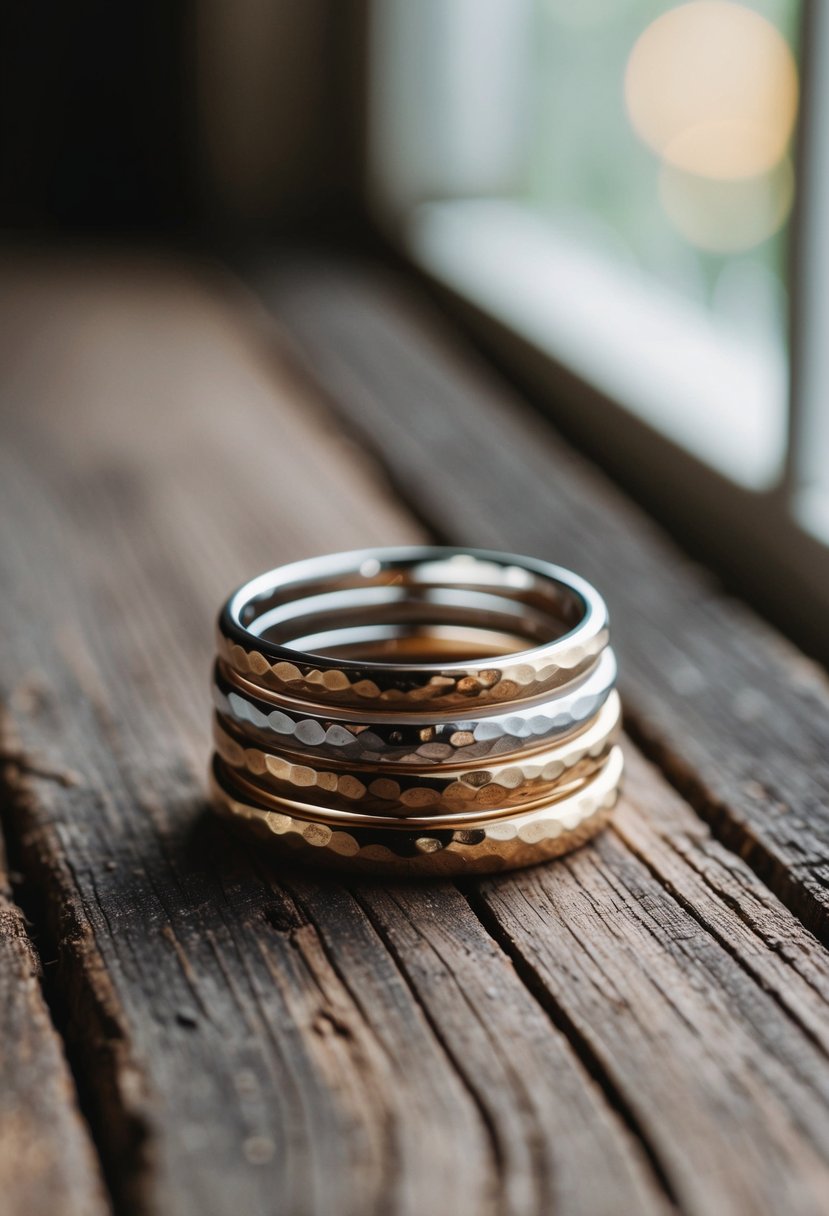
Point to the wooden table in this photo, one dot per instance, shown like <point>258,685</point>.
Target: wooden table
<point>188,1027</point>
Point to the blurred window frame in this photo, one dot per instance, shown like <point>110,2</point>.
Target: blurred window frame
<point>446,155</point>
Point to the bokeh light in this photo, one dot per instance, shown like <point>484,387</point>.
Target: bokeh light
<point>712,88</point>
<point>727,216</point>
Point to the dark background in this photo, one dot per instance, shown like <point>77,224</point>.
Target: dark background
<point>188,123</point>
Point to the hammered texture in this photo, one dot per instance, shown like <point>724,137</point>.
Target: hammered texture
<point>508,842</point>
<point>357,687</point>
<point>418,740</point>
<point>430,790</point>
<point>569,652</point>
<point>411,768</point>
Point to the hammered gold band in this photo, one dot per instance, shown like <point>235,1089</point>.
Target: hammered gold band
<point>503,843</point>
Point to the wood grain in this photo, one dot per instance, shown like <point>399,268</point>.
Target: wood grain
<point>641,1028</point>
<point>738,719</point>
<point>237,1045</point>
<point>679,1002</point>
<point>47,1162</point>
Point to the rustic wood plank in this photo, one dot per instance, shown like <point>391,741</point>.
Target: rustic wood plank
<point>738,719</point>
<point>546,1123</point>
<point>651,924</point>
<point>589,1037</point>
<point>47,1162</point>
<point>244,1042</point>
<point>693,994</point>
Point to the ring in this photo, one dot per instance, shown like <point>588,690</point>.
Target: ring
<point>420,711</point>
<point>435,789</point>
<point>260,793</point>
<point>435,585</point>
<point>414,738</point>
<point>504,843</point>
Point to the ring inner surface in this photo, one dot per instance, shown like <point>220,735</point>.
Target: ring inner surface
<point>411,625</point>
<point>415,644</point>
<point>500,609</point>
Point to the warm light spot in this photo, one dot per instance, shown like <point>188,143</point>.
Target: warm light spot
<point>712,87</point>
<point>727,216</point>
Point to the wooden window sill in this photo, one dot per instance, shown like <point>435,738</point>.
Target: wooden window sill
<point>640,1027</point>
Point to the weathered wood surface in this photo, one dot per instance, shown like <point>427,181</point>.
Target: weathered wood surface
<point>47,1163</point>
<point>639,1028</point>
<point>738,719</point>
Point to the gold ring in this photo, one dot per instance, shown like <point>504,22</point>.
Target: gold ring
<point>507,842</point>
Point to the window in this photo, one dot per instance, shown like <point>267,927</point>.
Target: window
<point>614,182</point>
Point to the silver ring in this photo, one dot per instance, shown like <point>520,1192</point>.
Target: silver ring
<point>562,617</point>
<point>406,793</point>
<point>416,738</point>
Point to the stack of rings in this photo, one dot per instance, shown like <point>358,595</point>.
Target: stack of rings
<point>417,711</point>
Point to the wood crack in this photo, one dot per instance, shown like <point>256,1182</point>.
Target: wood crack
<point>735,835</point>
<point>487,1121</point>
<point>31,896</point>
<point>534,984</point>
<point>709,925</point>
<point>83,1019</point>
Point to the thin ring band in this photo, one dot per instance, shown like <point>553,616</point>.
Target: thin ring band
<point>357,683</point>
<point>504,843</point>
<point>260,794</point>
<point>260,791</point>
<point>432,790</point>
<point>415,739</point>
